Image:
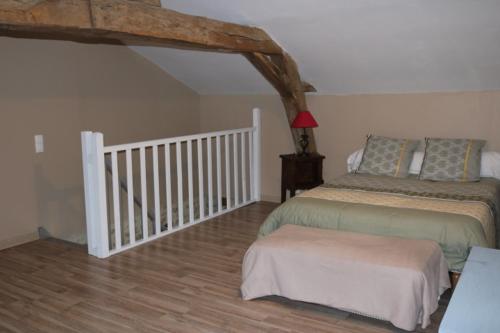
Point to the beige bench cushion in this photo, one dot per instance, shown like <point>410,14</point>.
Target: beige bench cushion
<point>394,279</point>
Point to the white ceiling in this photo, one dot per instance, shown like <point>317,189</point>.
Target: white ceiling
<point>351,46</point>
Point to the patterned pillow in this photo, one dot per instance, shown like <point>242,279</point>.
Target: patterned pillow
<point>387,156</point>
<point>452,160</point>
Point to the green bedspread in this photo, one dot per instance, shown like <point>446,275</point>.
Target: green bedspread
<point>455,233</point>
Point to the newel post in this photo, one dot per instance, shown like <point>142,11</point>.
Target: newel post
<point>94,180</point>
<point>257,154</point>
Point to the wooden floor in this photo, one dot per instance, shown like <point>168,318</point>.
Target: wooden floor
<point>185,282</point>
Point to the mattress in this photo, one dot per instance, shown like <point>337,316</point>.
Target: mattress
<point>455,215</point>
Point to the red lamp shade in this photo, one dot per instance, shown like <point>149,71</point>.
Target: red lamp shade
<point>304,119</point>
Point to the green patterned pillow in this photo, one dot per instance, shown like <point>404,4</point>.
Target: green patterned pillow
<point>387,156</point>
<point>452,160</point>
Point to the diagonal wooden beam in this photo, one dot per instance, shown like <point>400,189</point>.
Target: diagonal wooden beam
<point>269,70</point>
<point>272,73</point>
<point>282,72</point>
<point>297,100</point>
<point>144,22</point>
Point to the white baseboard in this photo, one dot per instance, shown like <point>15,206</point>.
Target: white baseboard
<point>18,240</point>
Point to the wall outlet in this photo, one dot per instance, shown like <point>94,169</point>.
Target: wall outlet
<point>39,147</point>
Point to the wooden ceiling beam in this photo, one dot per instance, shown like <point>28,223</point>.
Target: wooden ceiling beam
<point>156,3</point>
<point>132,22</point>
<point>145,22</point>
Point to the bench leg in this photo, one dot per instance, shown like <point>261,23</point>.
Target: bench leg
<point>454,277</point>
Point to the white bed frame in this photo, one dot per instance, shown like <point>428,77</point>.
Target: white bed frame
<point>242,179</point>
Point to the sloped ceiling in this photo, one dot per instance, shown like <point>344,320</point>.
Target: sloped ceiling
<point>351,46</point>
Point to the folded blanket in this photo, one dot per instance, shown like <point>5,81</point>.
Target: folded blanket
<point>487,190</point>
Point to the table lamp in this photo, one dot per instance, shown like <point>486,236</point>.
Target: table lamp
<point>304,119</point>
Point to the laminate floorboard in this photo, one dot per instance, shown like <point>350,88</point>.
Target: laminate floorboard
<point>187,282</point>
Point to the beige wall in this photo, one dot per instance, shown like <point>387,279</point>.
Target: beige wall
<point>226,112</point>
<point>59,89</point>
<point>345,120</point>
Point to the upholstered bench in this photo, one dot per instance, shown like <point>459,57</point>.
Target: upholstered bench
<point>388,278</point>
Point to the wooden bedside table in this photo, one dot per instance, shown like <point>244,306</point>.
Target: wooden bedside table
<point>300,173</point>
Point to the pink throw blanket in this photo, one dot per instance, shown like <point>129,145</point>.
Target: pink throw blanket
<point>389,278</point>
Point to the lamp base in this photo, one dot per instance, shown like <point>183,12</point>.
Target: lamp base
<point>304,142</point>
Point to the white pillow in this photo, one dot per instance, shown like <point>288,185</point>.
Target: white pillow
<point>354,160</point>
<point>490,163</point>
<point>416,163</point>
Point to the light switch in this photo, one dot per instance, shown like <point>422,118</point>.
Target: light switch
<point>39,143</point>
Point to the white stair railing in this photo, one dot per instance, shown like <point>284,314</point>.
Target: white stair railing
<point>231,157</point>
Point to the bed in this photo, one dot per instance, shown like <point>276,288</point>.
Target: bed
<point>454,214</point>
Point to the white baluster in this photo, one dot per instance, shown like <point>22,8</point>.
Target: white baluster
<point>201,194</point>
<point>243,169</point>
<point>219,172</point>
<point>190,180</point>
<point>130,196</point>
<point>228,172</point>
<point>144,194</point>
<point>168,186</point>
<point>235,166</point>
<point>256,154</point>
<point>180,195</point>
<point>116,200</point>
<point>250,164</point>
<point>156,187</point>
<point>210,183</point>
